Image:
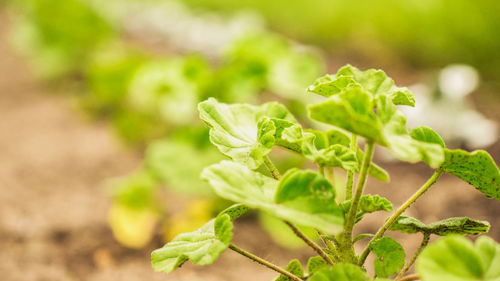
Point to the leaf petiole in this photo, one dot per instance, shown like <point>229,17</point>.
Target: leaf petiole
<point>407,266</point>
<point>264,262</point>
<point>350,174</point>
<point>399,211</point>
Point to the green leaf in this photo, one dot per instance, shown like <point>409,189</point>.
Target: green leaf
<point>390,256</point>
<point>477,168</point>
<point>351,110</point>
<point>340,272</point>
<point>458,259</point>
<point>426,134</point>
<point>293,267</point>
<point>236,182</point>
<point>314,264</point>
<point>461,225</point>
<point>368,204</point>
<point>361,237</point>
<point>234,129</point>
<point>373,81</point>
<point>400,143</point>
<point>333,156</point>
<point>202,246</point>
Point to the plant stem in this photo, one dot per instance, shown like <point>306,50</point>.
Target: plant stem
<point>270,166</point>
<point>330,174</point>
<point>264,263</point>
<point>410,277</point>
<point>350,174</point>
<point>310,243</point>
<point>321,169</point>
<point>407,266</point>
<point>399,211</point>
<point>351,216</point>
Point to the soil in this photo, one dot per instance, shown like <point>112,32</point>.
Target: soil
<point>53,204</point>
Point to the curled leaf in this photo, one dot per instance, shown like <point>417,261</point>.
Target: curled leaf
<point>461,226</point>
<point>234,129</point>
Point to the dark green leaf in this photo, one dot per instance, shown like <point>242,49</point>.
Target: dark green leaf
<point>477,168</point>
<point>390,256</point>
<point>462,226</point>
<point>314,264</point>
<point>293,267</point>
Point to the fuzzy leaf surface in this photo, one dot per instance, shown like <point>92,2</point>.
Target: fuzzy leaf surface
<point>340,272</point>
<point>477,168</point>
<point>234,129</point>
<point>376,82</point>
<point>314,264</point>
<point>293,267</point>
<point>458,259</point>
<point>368,204</point>
<point>461,226</point>
<point>390,256</point>
<point>238,183</point>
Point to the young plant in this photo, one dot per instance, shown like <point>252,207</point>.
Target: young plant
<point>364,104</point>
<point>358,104</point>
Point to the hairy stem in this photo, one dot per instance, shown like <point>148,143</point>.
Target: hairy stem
<point>264,262</point>
<point>272,169</point>
<point>407,266</point>
<point>399,211</point>
<point>351,216</point>
<point>310,242</point>
<point>350,174</point>
<point>410,277</point>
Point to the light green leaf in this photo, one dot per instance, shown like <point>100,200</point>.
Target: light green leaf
<point>293,267</point>
<point>400,143</point>
<point>368,204</point>
<point>426,134</point>
<point>458,259</point>
<point>390,256</point>
<point>335,136</point>
<point>202,246</point>
<point>461,225</point>
<point>333,156</point>
<point>237,183</point>
<point>373,81</point>
<point>351,110</point>
<point>281,132</point>
<point>477,168</point>
<point>314,264</point>
<point>340,272</point>
<point>234,129</point>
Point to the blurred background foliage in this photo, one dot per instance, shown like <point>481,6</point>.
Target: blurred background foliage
<point>144,66</point>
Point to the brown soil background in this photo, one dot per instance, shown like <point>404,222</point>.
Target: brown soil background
<point>53,206</point>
